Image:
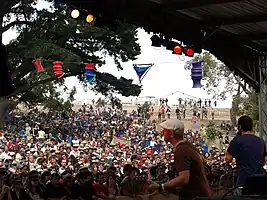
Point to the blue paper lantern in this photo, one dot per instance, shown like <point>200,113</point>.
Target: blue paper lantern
<point>196,74</point>
<point>90,78</point>
<point>90,75</point>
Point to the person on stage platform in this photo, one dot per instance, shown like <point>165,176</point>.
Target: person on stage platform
<point>191,181</point>
<point>249,152</point>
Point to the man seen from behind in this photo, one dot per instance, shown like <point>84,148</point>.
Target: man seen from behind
<point>248,150</point>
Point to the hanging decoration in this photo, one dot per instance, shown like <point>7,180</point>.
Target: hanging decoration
<point>141,70</point>
<point>90,69</point>
<point>196,74</point>
<point>58,69</point>
<point>90,72</point>
<point>38,65</point>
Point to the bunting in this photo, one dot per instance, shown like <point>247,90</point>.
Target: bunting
<point>141,70</point>
<point>89,69</point>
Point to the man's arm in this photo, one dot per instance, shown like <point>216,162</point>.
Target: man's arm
<point>228,157</point>
<point>264,154</point>
<point>178,181</point>
<point>232,150</point>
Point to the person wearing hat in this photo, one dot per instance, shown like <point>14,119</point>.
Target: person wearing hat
<point>16,192</point>
<point>33,187</point>
<point>54,189</point>
<point>192,179</point>
<point>85,183</point>
<point>3,180</point>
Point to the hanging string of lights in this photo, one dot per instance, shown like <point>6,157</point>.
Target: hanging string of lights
<point>176,47</point>
<point>108,63</point>
<point>89,17</point>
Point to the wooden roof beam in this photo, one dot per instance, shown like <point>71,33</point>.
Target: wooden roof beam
<point>235,20</point>
<point>176,5</point>
<point>252,37</point>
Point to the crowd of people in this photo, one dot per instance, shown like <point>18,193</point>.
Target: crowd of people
<point>96,153</point>
<point>198,110</point>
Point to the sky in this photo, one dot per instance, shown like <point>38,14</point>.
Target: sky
<point>166,78</point>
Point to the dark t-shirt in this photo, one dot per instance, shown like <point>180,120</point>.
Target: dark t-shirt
<point>187,158</point>
<point>86,191</point>
<point>23,196</point>
<point>72,193</point>
<point>52,191</point>
<point>249,152</point>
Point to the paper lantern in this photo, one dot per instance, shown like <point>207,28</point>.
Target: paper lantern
<point>90,77</point>
<point>196,74</point>
<point>38,65</point>
<point>58,69</point>
<point>89,66</point>
<point>90,72</point>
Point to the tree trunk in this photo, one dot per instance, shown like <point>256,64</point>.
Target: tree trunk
<point>4,105</point>
<point>234,109</point>
<point>1,26</point>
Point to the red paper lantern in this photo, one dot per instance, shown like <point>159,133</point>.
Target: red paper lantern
<point>89,66</point>
<point>58,69</point>
<point>38,65</point>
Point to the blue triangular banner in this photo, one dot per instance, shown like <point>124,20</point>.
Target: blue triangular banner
<point>141,70</point>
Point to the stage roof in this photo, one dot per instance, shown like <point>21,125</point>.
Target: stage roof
<point>235,31</point>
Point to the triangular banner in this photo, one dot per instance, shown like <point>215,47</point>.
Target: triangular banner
<point>141,70</point>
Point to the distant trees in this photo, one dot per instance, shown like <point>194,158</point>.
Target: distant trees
<point>212,131</point>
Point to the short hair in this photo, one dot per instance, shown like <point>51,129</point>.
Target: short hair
<point>178,133</point>
<point>127,167</point>
<point>245,123</point>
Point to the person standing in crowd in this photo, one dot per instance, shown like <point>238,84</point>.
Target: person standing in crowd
<point>178,113</point>
<point>200,103</point>
<point>168,112</point>
<point>184,110</point>
<point>212,114</point>
<point>159,115</point>
<point>194,120</point>
<point>192,179</point>
<point>248,150</point>
<point>16,191</point>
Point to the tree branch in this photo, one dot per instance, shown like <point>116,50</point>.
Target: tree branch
<point>244,88</point>
<point>8,4</point>
<point>14,23</point>
<point>37,83</point>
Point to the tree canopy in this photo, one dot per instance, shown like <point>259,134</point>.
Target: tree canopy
<point>52,35</point>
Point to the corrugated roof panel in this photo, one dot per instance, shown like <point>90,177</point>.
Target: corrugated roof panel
<point>263,25</point>
<point>245,28</point>
<point>262,43</point>
<point>227,10</point>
